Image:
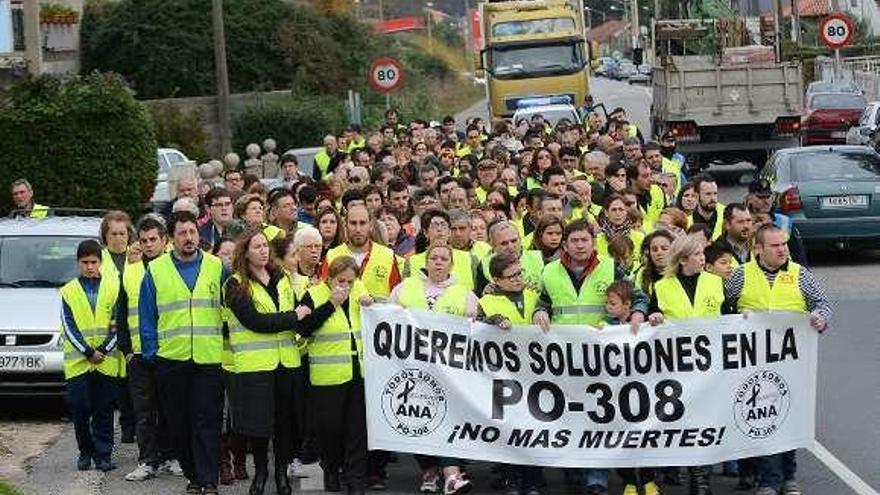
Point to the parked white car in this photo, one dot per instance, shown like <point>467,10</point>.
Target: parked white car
<point>167,159</point>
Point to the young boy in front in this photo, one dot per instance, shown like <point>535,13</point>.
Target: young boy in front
<point>92,365</point>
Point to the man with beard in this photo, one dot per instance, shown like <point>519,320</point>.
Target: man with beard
<point>737,233</point>
<point>378,265</point>
<point>709,211</point>
<point>181,331</point>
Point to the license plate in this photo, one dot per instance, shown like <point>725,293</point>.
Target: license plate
<point>21,362</point>
<point>856,201</point>
<point>838,134</point>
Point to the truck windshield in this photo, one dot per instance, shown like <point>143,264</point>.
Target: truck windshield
<point>37,261</point>
<point>515,62</point>
<point>839,100</point>
<point>533,26</point>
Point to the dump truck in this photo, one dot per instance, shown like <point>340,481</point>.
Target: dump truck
<point>533,49</point>
<point>737,103</point>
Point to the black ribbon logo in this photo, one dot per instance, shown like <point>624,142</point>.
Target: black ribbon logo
<point>753,400</point>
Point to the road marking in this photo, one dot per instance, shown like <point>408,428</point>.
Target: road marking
<point>857,484</point>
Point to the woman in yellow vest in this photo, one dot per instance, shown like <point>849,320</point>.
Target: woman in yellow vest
<point>435,289</point>
<point>251,209</point>
<point>614,220</point>
<point>652,260</point>
<point>92,364</point>
<point>259,310</point>
<point>336,374</point>
<point>687,291</point>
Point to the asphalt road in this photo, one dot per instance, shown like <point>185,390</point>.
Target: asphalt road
<point>848,383</point>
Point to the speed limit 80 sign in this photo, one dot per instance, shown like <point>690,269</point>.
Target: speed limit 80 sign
<point>836,30</point>
<point>386,74</point>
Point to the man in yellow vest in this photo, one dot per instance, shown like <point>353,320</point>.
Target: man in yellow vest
<point>650,197</point>
<point>324,157</point>
<point>180,323</point>
<point>92,364</point>
<point>155,453</point>
<point>378,266</point>
<point>709,211</point>
<point>574,294</point>
<point>772,282</point>
<point>737,237</point>
<point>504,238</point>
<point>23,197</point>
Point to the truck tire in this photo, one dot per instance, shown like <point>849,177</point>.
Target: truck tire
<point>694,164</point>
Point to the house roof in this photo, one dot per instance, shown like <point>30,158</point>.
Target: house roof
<point>606,31</point>
<point>806,8</point>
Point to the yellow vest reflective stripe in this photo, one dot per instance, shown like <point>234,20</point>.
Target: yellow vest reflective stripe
<point>93,325</point>
<point>532,263</point>
<point>189,322</point>
<point>481,194</point>
<point>272,232</point>
<point>718,228</point>
<point>584,307</point>
<point>376,275</point>
<point>256,351</point>
<point>39,211</point>
<point>493,304</point>
<point>636,236</point>
<point>451,301</point>
<point>785,295</point>
<point>675,304</point>
<point>330,353</point>
<point>131,281</point>
<point>462,267</point>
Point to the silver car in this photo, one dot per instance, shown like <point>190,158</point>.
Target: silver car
<point>37,257</point>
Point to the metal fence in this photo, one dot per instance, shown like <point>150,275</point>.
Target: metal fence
<point>864,71</point>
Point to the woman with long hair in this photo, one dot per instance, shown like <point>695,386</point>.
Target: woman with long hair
<point>548,237</point>
<point>687,200</point>
<point>543,160</point>
<point>615,220</point>
<point>653,256</point>
<point>435,289</point>
<point>329,224</point>
<point>259,309</point>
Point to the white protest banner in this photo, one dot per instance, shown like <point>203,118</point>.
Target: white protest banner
<point>685,393</point>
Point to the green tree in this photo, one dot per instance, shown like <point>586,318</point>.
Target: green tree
<point>82,142</point>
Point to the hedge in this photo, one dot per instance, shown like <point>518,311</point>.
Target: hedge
<point>81,141</point>
<point>294,122</point>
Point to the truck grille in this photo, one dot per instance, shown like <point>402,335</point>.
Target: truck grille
<point>513,103</point>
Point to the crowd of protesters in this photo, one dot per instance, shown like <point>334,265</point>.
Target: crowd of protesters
<point>235,319</point>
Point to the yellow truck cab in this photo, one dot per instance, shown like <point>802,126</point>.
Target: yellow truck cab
<point>533,48</point>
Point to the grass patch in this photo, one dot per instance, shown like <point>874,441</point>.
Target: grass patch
<point>7,489</point>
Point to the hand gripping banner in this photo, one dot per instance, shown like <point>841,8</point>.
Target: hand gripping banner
<point>685,393</point>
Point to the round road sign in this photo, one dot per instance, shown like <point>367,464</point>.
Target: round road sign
<point>836,30</point>
<point>386,74</point>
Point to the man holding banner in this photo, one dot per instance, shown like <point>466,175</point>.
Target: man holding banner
<point>772,282</point>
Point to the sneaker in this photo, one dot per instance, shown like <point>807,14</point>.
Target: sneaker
<point>296,470</point>
<point>651,488</point>
<point>630,490</point>
<point>430,483</point>
<point>104,465</point>
<point>171,467</point>
<point>193,488</point>
<point>141,473</point>
<point>791,487</point>
<point>456,485</point>
<point>84,462</point>
<point>210,490</point>
<point>766,490</point>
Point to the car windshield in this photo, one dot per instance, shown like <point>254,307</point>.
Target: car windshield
<point>839,100</point>
<point>835,166</point>
<point>37,261</point>
<point>528,61</point>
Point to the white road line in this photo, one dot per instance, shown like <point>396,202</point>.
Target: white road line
<point>857,484</point>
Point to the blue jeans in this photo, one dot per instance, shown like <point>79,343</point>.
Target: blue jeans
<point>593,476</point>
<point>776,469</point>
<point>90,397</point>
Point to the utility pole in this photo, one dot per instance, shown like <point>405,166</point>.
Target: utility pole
<point>634,23</point>
<point>430,21</point>
<point>468,37</point>
<point>222,76</point>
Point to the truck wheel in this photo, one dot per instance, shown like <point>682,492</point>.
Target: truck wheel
<point>693,165</point>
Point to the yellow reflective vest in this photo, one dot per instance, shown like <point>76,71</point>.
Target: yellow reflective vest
<point>189,322</point>
<point>675,304</point>
<point>451,301</point>
<point>493,304</point>
<point>656,204</point>
<point>259,351</point>
<point>636,236</point>
<point>94,327</point>
<point>578,307</point>
<point>532,266</point>
<point>718,228</point>
<point>322,161</point>
<point>131,281</point>
<point>331,357</point>
<point>39,211</point>
<point>784,295</point>
<point>376,273</point>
